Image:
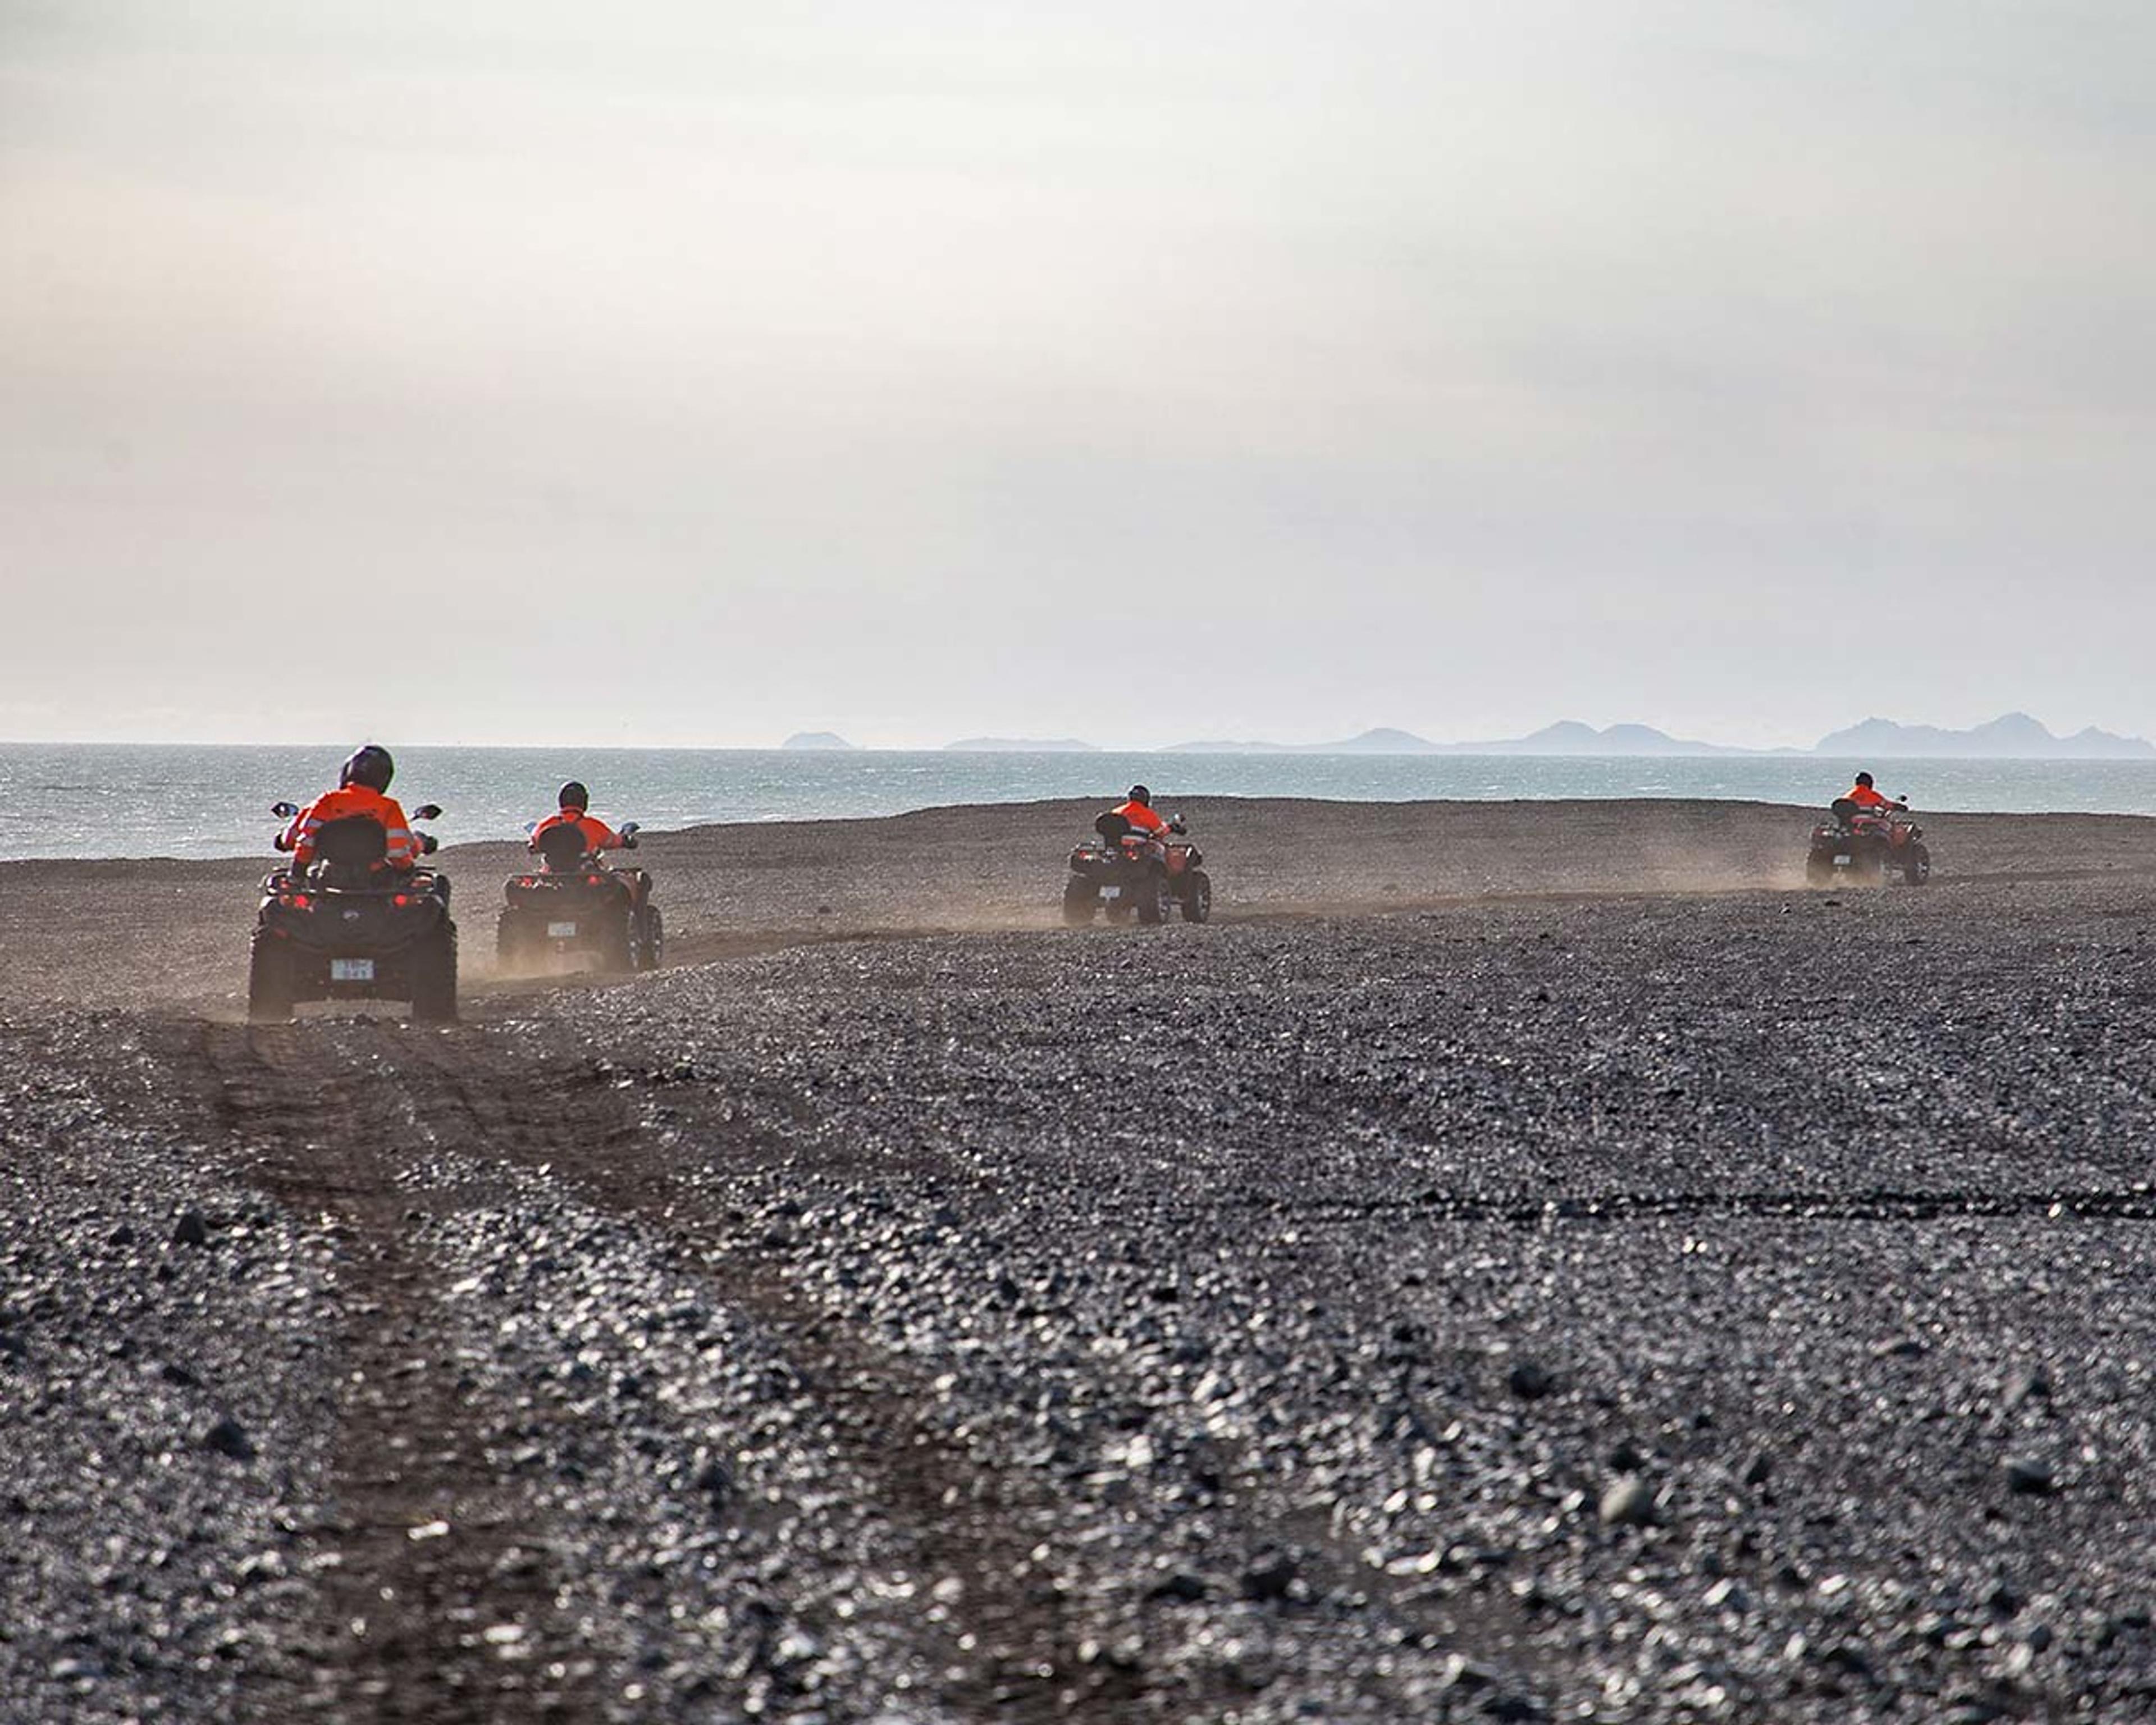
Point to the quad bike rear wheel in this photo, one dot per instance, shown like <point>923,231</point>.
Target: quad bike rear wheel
<point>269,981</point>
<point>434,979</point>
<point>1150,908</point>
<point>1081,899</point>
<point>513,943</point>
<point>1917,866</point>
<point>1197,896</point>
<point>649,938</point>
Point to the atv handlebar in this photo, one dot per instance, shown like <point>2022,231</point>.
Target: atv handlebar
<point>428,844</point>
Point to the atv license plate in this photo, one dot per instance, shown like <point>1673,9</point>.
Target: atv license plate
<point>352,970</point>
<point>1111,892</point>
<point>561,930</point>
<point>1841,862</point>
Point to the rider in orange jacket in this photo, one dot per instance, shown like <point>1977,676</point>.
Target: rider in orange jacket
<point>1138,811</point>
<point>362,788</point>
<point>1870,801</point>
<point>575,812</point>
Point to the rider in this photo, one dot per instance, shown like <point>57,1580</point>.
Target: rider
<point>1867,799</point>
<point>575,812</point>
<point>1138,811</point>
<point>362,788</point>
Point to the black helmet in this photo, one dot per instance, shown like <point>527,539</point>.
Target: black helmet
<point>575,796</point>
<point>1141,795</point>
<point>1864,779</point>
<point>370,765</point>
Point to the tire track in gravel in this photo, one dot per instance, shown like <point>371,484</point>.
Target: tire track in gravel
<point>2136,1203</point>
<point>327,1114</point>
<point>408,1604</point>
<point>955,1517</point>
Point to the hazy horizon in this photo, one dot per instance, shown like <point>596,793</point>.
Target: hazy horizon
<point>1267,742</point>
<point>695,376</point>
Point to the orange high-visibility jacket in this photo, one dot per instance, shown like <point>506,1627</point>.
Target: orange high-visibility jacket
<point>1864,797</point>
<point>299,838</point>
<point>1143,818</point>
<point>597,834</point>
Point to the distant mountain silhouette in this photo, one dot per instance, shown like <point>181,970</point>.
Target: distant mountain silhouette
<point>1023,746</point>
<point>2011,736</point>
<point>1567,737</point>
<point>816,740</point>
<point>1381,742</point>
<point>2015,736</point>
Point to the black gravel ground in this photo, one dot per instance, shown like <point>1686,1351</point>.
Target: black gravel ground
<point>1561,1302</point>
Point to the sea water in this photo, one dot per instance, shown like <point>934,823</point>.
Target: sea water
<point>146,799</point>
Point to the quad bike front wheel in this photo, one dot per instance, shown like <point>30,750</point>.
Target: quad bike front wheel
<point>269,981</point>
<point>1917,866</point>
<point>1081,899</point>
<point>1197,896</point>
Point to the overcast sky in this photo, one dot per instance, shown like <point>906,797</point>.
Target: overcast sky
<point>689,371</point>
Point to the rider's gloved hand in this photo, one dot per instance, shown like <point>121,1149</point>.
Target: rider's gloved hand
<point>428,844</point>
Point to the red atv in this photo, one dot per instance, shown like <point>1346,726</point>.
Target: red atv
<point>351,927</point>
<point>574,907</point>
<point>1126,872</point>
<point>1867,846</point>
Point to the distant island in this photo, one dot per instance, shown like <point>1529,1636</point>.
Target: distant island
<point>2015,736</point>
<point>1023,746</point>
<point>1567,737</point>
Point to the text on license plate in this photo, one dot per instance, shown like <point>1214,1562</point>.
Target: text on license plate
<point>561,930</point>
<point>352,970</point>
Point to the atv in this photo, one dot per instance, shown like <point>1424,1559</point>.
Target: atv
<point>1126,872</point>
<point>1866,846</point>
<point>574,907</point>
<point>350,928</point>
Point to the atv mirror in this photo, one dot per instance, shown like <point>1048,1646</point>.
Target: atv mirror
<point>1175,824</point>
<point>630,828</point>
<point>427,811</point>
<point>284,811</point>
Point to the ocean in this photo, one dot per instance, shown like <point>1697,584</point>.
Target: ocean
<point>149,800</point>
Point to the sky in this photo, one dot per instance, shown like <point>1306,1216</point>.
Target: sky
<point>684,371</point>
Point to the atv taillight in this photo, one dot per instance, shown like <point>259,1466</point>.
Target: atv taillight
<point>591,879</point>
<point>300,901</point>
<point>401,900</point>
